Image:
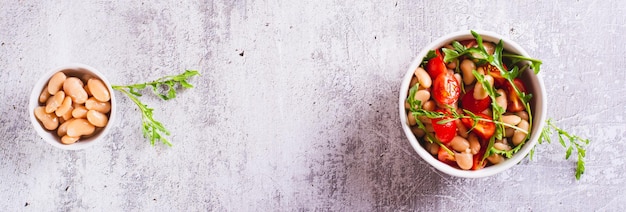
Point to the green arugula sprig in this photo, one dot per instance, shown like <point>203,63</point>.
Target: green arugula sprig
<point>430,55</point>
<point>574,142</point>
<point>478,53</point>
<point>152,128</point>
<point>535,64</point>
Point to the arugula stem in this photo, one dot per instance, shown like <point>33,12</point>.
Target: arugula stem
<point>521,57</point>
<point>502,123</point>
<point>150,127</point>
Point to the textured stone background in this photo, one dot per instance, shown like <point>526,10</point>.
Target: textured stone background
<point>296,105</point>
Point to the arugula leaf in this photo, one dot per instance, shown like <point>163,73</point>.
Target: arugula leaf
<point>458,46</point>
<point>535,63</point>
<point>430,55</point>
<point>497,55</point>
<point>450,55</point>
<point>573,142</point>
<point>481,48</point>
<point>152,128</point>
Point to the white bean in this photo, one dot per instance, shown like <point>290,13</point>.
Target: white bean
<point>519,136</point>
<point>480,92</point>
<point>429,105</point>
<point>65,107</point>
<point>522,114</point>
<point>501,146</point>
<point>97,119</point>
<point>80,111</point>
<point>511,119</point>
<point>495,158</point>
<point>467,66</point>
<point>474,143</point>
<point>423,77</point>
<point>422,96</point>
<point>432,148</point>
<point>43,97</point>
<point>413,81</point>
<point>54,102</point>
<point>425,120</point>
<point>459,144</point>
<point>68,139</point>
<point>481,70</point>
<point>508,132</point>
<point>80,127</point>
<point>94,104</point>
<point>429,128</point>
<point>417,131</point>
<point>56,82</point>
<point>464,160</point>
<point>501,100</point>
<point>73,87</point>
<point>409,117</point>
<point>452,64</point>
<point>62,130</point>
<point>48,120</point>
<point>489,47</point>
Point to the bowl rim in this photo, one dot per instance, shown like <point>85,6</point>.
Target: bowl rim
<point>50,137</point>
<point>535,84</point>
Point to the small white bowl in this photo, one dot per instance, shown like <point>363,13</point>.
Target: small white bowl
<point>533,83</point>
<point>50,136</point>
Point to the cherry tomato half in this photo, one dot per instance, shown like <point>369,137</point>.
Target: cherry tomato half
<point>446,89</point>
<point>475,106</point>
<point>514,102</point>
<point>479,163</point>
<point>483,129</point>
<point>436,66</point>
<point>443,156</point>
<point>444,132</point>
<point>498,79</point>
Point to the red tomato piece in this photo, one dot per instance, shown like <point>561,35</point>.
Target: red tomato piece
<point>514,102</point>
<point>498,79</point>
<point>475,106</point>
<point>446,89</point>
<point>444,132</point>
<point>483,129</point>
<point>479,163</point>
<point>436,66</point>
<point>446,158</point>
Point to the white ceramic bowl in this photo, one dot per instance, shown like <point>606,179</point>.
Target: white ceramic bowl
<point>533,83</point>
<point>50,136</point>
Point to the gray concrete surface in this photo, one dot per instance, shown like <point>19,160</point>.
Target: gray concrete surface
<point>296,105</point>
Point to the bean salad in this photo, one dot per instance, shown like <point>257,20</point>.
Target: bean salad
<point>468,105</point>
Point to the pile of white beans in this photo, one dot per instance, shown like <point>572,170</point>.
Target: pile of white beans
<point>466,144</point>
<point>74,107</point>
